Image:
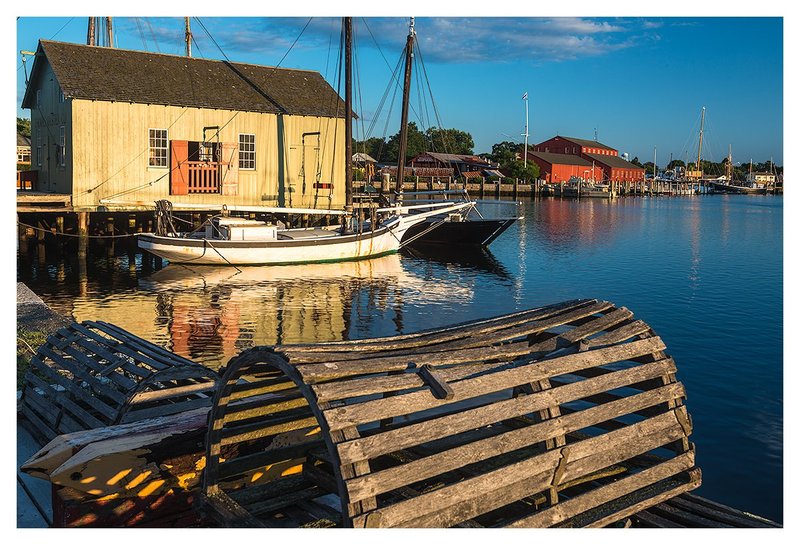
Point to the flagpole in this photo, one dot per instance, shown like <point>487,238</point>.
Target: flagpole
<point>525,157</point>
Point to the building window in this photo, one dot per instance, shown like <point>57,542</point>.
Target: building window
<point>159,150</point>
<point>247,151</point>
<point>61,147</point>
<point>39,147</point>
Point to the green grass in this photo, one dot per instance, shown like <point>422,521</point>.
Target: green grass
<point>27,343</point>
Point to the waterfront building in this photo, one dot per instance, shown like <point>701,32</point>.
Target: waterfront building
<point>114,129</point>
<point>614,167</point>
<point>760,179</point>
<point>461,165</point>
<point>23,150</point>
<point>560,167</point>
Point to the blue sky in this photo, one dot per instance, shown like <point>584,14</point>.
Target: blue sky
<point>640,82</point>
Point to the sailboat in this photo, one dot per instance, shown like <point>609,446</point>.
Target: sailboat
<point>240,241</point>
<point>477,224</point>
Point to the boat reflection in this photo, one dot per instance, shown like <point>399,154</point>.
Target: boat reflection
<point>210,314</point>
<point>466,258</point>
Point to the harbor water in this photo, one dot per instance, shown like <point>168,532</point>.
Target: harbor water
<point>704,271</point>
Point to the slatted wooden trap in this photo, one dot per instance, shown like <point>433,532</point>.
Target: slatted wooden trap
<point>96,374</point>
<point>565,415</point>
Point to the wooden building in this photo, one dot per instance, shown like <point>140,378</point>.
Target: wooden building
<point>560,167</point>
<point>121,129</point>
<point>614,168</point>
<point>463,166</point>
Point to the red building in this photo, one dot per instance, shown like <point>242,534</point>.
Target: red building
<point>614,168</point>
<point>560,167</point>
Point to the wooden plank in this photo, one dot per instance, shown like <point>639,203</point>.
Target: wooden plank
<point>569,508</point>
<point>433,335</point>
<point>472,497</point>
<point>257,432</point>
<point>72,366</point>
<point>143,345</point>
<point>686,518</point>
<point>621,513</point>
<point>448,460</point>
<point>721,512</point>
<point>474,339</point>
<point>82,358</point>
<point>437,384</point>
<point>168,393</point>
<point>371,411</point>
<point>461,421</point>
<point>134,414</point>
<point>618,335</point>
<point>56,378</point>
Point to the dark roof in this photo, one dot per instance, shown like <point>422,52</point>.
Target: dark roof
<point>560,158</point>
<point>613,161</point>
<point>23,140</point>
<point>587,143</point>
<point>457,158</point>
<point>110,74</point>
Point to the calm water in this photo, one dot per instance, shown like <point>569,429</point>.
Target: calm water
<point>705,272</point>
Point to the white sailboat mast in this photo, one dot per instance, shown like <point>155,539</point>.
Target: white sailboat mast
<point>525,156</point>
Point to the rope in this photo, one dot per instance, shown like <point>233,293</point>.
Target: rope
<point>73,235</point>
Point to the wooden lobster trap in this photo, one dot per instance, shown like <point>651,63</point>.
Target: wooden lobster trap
<point>566,415</point>
<point>95,374</point>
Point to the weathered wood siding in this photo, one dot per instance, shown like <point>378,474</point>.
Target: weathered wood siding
<point>111,152</point>
<point>47,118</point>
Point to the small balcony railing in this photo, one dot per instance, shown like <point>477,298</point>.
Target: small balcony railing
<point>203,177</point>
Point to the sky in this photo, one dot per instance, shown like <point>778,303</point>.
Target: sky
<point>637,83</point>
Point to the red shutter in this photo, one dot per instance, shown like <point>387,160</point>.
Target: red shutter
<point>230,168</point>
<point>179,167</point>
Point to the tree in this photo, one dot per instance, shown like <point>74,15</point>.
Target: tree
<point>505,152</point>
<point>416,143</point>
<point>373,147</point>
<point>24,126</point>
<point>450,141</point>
<point>636,162</point>
<point>527,173</point>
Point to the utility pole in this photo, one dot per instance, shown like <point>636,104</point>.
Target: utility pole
<point>188,38</point>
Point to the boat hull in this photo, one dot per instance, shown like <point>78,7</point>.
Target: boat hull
<point>463,233</point>
<point>201,251</point>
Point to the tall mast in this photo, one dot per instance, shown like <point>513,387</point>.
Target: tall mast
<point>525,157</point>
<point>348,116</point>
<point>90,33</point>
<point>700,145</point>
<point>401,157</point>
<point>188,38</point>
<point>655,168</point>
<point>730,165</point>
<point>109,32</point>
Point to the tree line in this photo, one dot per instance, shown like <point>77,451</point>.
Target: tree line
<point>740,171</point>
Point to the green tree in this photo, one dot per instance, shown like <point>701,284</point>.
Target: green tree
<point>636,161</point>
<point>528,173</point>
<point>505,152</point>
<point>450,141</point>
<point>24,126</point>
<point>416,143</point>
<point>373,147</point>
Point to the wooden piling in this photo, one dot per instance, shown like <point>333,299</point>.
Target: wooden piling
<point>83,233</point>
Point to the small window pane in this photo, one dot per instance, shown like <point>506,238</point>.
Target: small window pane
<point>247,151</point>
<point>158,148</point>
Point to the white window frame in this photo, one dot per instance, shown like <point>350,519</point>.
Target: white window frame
<point>247,157</point>
<point>151,148</point>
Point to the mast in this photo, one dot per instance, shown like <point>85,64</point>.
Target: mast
<point>525,157</point>
<point>401,157</point>
<point>188,38</point>
<point>655,168</point>
<point>109,32</point>
<point>348,118</point>
<point>700,145</point>
<point>90,33</point>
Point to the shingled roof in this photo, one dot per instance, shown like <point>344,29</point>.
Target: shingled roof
<point>560,158</point>
<point>613,161</point>
<point>587,143</point>
<point>110,74</point>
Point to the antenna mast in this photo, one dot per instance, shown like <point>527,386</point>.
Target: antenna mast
<point>348,123</point>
